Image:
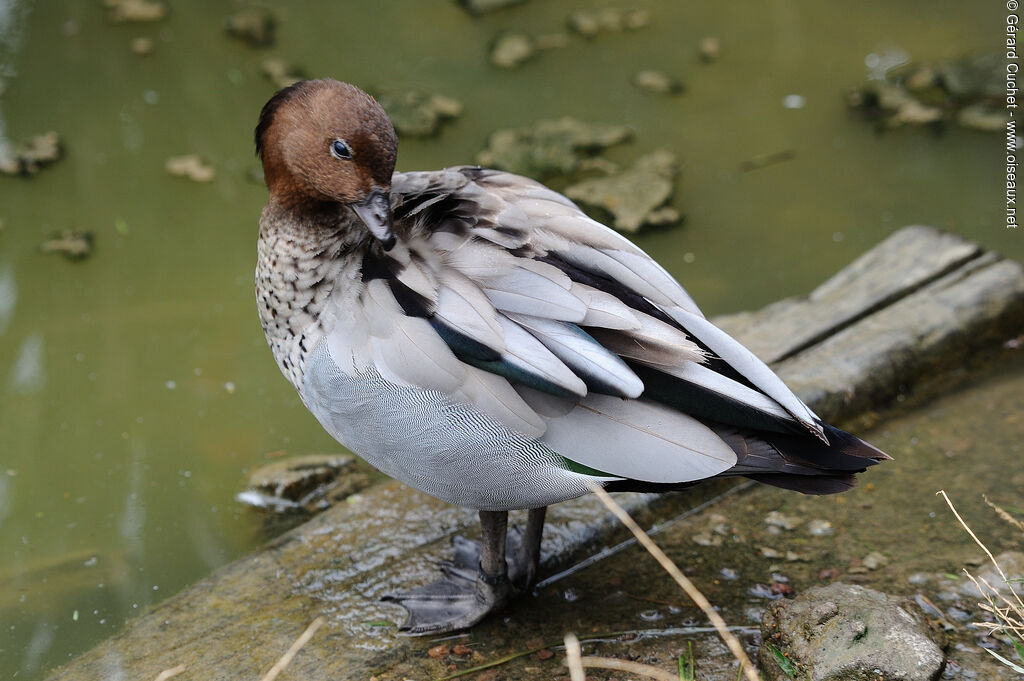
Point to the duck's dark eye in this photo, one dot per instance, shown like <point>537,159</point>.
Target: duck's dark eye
<point>340,150</point>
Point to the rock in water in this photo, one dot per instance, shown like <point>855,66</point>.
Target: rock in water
<point>634,197</point>
<point>417,114</point>
<point>843,632</point>
<point>303,483</point>
<point>549,147</point>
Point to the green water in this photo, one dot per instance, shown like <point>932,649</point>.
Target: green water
<point>136,387</point>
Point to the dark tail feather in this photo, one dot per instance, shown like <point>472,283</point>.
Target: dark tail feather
<point>844,452</point>
<point>808,484</point>
<point>800,462</point>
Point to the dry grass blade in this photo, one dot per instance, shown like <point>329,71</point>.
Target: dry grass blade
<point>1004,515</point>
<point>576,662</point>
<point>295,648</point>
<point>628,666</point>
<point>1019,604</point>
<point>168,673</point>
<point>573,658</point>
<point>1010,616</point>
<point>692,591</point>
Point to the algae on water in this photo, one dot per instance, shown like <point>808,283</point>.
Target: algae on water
<point>549,147</point>
<point>634,197</point>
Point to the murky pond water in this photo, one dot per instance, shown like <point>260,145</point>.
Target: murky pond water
<point>135,385</point>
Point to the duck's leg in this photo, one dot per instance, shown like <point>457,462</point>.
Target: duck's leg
<point>463,596</point>
<point>522,567</point>
<point>522,551</point>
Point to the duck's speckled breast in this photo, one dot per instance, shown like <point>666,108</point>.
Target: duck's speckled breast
<point>430,442</point>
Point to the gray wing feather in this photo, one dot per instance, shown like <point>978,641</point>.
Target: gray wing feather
<point>470,252</point>
<point>638,439</point>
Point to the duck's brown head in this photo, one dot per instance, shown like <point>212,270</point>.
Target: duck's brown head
<point>322,141</point>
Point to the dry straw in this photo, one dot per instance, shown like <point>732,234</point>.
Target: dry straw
<point>1009,614</point>
<point>735,647</point>
<point>295,648</point>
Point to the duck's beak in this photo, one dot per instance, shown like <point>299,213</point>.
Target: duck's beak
<point>375,212</point>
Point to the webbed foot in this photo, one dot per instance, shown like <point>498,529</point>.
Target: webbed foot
<point>479,579</point>
<point>458,600</point>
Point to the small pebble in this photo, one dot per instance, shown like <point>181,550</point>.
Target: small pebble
<point>958,614</point>
<point>782,521</point>
<point>462,649</point>
<point>729,574</point>
<point>439,651</point>
<point>820,528</point>
<point>545,654</point>
<point>927,607</point>
<point>706,539</point>
<point>875,560</point>
<point>766,591</point>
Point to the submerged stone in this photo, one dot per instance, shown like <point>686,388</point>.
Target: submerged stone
<point>304,484</point>
<point>549,147</point>
<point>974,76</point>
<point>478,7</point>
<point>190,166</point>
<point>782,521</point>
<point>31,155</point>
<point>590,23</point>
<point>708,49</point>
<point>634,197</point>
<point>417,114</point>
<point>658,82</point>
<point>962,90</point>
<point>142,46</point>
<point>281,73</point>
<point>120,11</point>
<point>73,244</point>
<point>254,25</point>
<point>844,632</point>
<point>982,117</point>
<point>1012,565</point>
<point>509,50</point>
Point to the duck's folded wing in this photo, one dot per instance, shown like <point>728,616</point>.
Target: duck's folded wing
<point>505,295</point>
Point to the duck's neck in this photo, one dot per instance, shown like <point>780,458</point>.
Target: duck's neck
<point>300,257</point>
